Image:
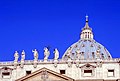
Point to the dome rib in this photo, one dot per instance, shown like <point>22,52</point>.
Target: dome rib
<point>86,48</point>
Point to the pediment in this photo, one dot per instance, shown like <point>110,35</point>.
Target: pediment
<point>45,74</point>
<point>88,66</point>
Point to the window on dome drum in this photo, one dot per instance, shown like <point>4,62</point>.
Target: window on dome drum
<point>109,57</point>
<point>102,56</point>
<point>28,72</point>
<point>91,45</point>
<point>62,71</point>
<point>5,74</point>
<point>82,52</point>
<point>110,72</point>
<point>87,72</point>
<point>93,55</point>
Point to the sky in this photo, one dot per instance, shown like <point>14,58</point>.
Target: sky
<point>35,24</point>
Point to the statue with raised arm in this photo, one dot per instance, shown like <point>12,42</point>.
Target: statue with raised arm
<point>16,55</point>
<point>23,56</point>
<point>56,54</point>
<point>46,53</point>
<point>35,54</point>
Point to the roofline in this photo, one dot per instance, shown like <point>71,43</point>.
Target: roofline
<point>60,61</point>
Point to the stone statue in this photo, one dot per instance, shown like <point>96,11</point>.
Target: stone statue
<point>56,54</point>
<point>16,55</point>
<point>35,54</point>
<point>46,53</point>
<point>23,56</point>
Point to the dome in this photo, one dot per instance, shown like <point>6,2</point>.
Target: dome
<point>86,47</point>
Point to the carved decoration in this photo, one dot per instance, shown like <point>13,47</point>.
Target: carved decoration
<point>44,75</point>
<point>87,67</point>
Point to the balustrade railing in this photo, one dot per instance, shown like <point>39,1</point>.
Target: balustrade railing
<point>59,61</point>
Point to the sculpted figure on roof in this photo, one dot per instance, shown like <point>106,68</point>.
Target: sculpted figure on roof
<point>35,54</point>
<point>56,54</point>
<point>23,56</point>
<point>16,55</point>
<point>46,53</point>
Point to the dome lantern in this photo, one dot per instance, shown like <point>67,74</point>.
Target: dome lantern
<point>86,33</point>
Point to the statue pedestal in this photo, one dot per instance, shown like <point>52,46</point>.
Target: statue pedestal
<point>15,64</point>
<point>77,60</point>
<point>55,60</point>
<point>35,64</point>
<point>45,60</point>
<point>35,61</point>
<point>22,63</point>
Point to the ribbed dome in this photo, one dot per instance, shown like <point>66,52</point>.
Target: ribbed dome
<point>86,47</point>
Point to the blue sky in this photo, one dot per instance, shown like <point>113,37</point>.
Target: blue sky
<point>29,24</point>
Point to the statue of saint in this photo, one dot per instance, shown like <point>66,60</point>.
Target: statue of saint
<point>46,53</point>
<point>23,55</point>
<point>56,54</point>
<point>16,55</point>
<point>35,54</point>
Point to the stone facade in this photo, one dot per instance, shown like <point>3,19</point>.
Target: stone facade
<point>85,60</point>
<point>74,71</point>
